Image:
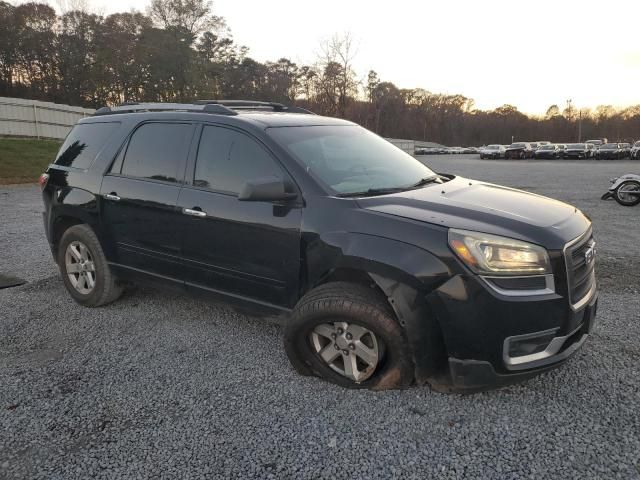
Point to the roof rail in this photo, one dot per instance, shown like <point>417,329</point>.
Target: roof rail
<point>254,105</point>
<point>220,107</point>
<point>131,107</point>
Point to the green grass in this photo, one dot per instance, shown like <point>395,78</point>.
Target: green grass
<point>22,160</point>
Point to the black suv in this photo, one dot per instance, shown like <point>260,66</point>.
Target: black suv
<point>519,150</point>
<point>386,272</point>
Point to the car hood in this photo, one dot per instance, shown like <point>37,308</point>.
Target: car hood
<point>471,205</point>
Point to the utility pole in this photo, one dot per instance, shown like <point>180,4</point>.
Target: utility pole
<point>580,126</point>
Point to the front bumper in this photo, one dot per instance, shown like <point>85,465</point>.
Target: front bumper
<point>493,339</point>
<point>477,375</point>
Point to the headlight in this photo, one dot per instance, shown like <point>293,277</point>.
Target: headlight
<point>493,255</point>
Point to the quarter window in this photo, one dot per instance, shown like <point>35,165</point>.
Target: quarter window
<point>227,159</point>
<point>157,151</point>
<point>83,144</point>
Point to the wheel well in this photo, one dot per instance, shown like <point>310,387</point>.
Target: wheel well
<point>418,320</point>
<point>347,275</point>
<point>61,225</point>
<point>352,275</point>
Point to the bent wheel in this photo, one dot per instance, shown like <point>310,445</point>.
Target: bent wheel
<point>347,334</point>
<point>347,348</point>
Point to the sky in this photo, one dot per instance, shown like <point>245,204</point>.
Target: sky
<point>530,54</point>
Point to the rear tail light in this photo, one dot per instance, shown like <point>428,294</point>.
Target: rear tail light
<point>42,181</point>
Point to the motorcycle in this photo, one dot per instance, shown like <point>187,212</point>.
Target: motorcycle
<point>625,190</point>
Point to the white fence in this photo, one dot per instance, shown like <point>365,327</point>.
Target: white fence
<point>32,118</point>
<point>408,146</point>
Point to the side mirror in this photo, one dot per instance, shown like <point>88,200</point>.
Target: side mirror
<point>266,189</point>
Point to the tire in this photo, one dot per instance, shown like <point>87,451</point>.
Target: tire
<point>80,255</point>
<point>628,200</point>
<point>354,306</point>
<point>481,157</point>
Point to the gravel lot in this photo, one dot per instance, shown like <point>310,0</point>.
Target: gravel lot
<point>164,386</point>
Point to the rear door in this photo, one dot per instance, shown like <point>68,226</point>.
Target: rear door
<point>139,196</point>
<point>243,248</point>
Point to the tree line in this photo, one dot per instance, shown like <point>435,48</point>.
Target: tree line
<point>179,51</point>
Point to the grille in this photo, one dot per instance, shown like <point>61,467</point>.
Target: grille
<point>580,273</point>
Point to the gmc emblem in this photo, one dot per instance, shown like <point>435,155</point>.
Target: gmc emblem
<point>590,254</point>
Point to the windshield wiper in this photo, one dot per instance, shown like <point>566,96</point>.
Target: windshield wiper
<point>386,190</point>
<point>372,191</point>
<point>426,180</point>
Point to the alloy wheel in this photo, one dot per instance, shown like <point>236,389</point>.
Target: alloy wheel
<point>349,349</point>
<point>80,267</point>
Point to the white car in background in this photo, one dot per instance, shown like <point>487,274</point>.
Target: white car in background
<point>635,150</point>
<point>492,151</point>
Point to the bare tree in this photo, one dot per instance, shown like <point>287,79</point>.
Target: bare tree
<point>338,82</point>
<point>194,16</point>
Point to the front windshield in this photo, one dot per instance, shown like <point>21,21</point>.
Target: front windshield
<point>546,147</point>
<point>350,159</point>
<point>576,146</point>
<point>518,145</point>
<point>493,147</point>
<point>609,146</point>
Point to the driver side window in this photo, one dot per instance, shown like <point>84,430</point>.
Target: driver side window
<point>228,158</point>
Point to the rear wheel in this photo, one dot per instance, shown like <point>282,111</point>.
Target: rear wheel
<point>346,333</point>
<point>85,271</point>
<point>628,193</point>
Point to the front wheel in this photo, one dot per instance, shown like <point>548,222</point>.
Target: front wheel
<point>347,334</point>
<point>628,193</point>
<point>85,271</point>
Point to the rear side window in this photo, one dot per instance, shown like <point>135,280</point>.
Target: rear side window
<point>157,151</point>
<point>83,144</point>
<point>227,159</point>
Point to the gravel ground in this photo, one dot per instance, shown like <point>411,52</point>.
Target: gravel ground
<point>165,386</point>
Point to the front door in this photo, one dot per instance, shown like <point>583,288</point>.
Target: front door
<point>139,197</point>
<point>241,248</point>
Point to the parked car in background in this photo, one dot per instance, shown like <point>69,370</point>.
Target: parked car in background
<point>561,148</point>
<point>626,149</point>
<point>470,150</point>
<point>597,143</point>
<point>492,151</point>
<point>547,151</point>
<point>534,145</point>
<point>635,151</point>
<point>543,142</point>
<point>519,150</point>
<point>427,151</point>
<point>610,151</point>
<point>578,150</point>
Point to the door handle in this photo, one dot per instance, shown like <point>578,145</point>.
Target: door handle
<point>194,212</point>
<point>112,196</point>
